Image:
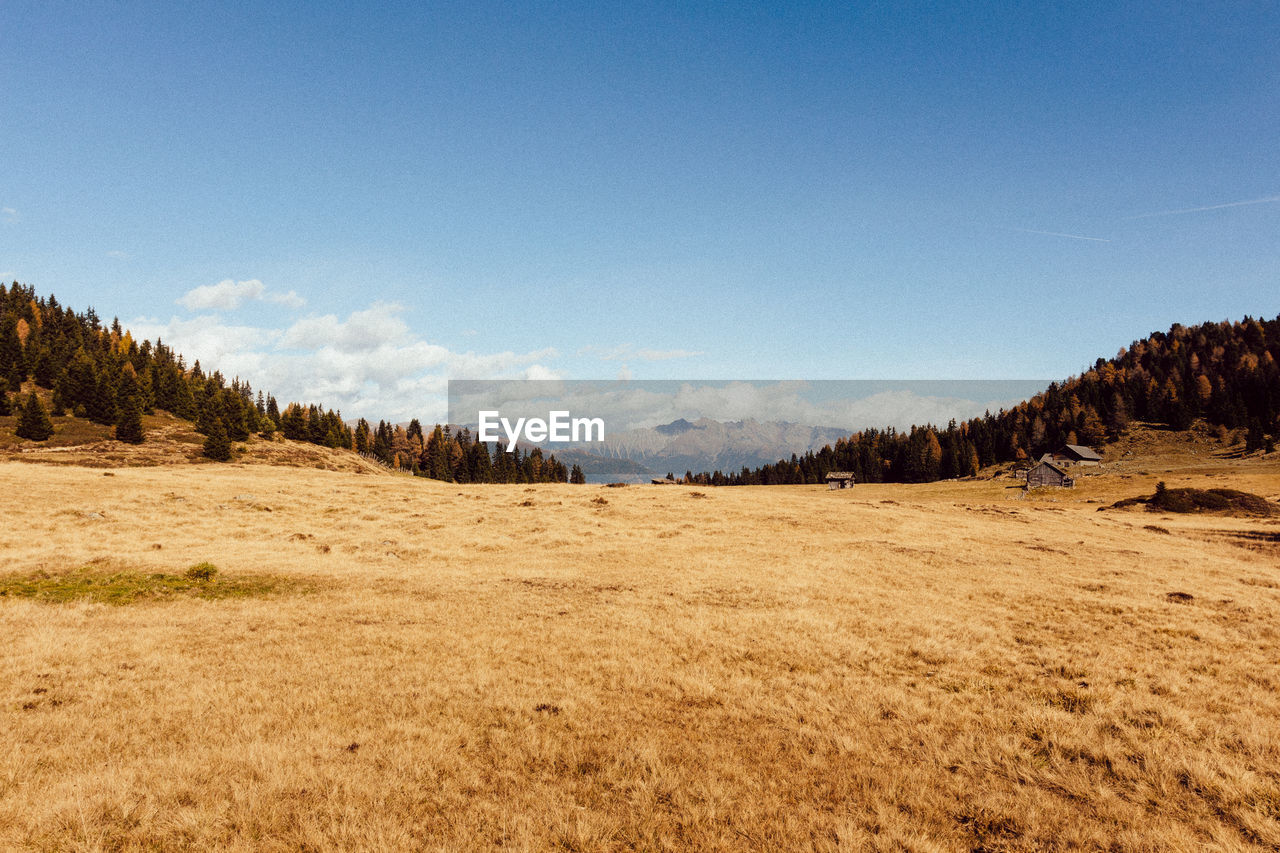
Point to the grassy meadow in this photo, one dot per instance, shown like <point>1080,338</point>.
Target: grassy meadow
<point>407,664</point>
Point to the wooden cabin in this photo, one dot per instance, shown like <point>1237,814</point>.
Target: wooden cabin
<point>1048,474</point>
<point>839,479</point>
<point>1081,455</point>
<point>1073,454</point>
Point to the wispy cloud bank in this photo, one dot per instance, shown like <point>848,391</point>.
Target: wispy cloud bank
<point>1061,234</point>
<point>288,300</point>
<point>627,352</point>
<point>118,255</point>
<point>367,364</point>
<point>8,214</point>
<point>228,295</point>
<point>849,405</point>
<point>1271,199</point>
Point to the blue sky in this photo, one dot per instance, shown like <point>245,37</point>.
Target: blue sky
<point>353,204</point>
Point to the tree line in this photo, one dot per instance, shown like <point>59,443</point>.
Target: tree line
<point>458,457</point>
<point>100,372</point>
<point>1224,373</point>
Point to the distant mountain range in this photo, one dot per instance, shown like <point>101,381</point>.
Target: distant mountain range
<point>703,445</point>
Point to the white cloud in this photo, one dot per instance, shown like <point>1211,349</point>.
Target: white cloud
<point>368,364</point>
<point>362,331</point>
<point>288,300</point>
<point>627,352</point>
<point>235,350</point>
<point>8,214</point>
<point>540,372</point>
<point>118,255</point>
<point>228,295</point>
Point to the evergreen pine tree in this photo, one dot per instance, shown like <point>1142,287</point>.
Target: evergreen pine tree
<point>234,416</point>
<point>33,422</point>
<point>216,445</point>
<point>45,371</point>
<point>576,476</point>
<point>207,410</point>
<point>58,405</point>
<point>129,406</point>
<point>1254,438</point>
<point>146,390</point>
<point>78,383</point>
<point>251,417</point>
<point>437,453</point>
<point>101,406</point>
<point>13,366</point>
<point>129,422</point>
<point>294,422</point>
<point>503,469</point>
<point>5,408</point>
<point>382,442</point>
<point>481,465</point>
<point>316,430</point>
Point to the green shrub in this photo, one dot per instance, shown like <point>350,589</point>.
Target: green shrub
<point>201,572</point>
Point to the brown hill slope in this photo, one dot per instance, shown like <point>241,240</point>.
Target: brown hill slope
<point>169,441</point>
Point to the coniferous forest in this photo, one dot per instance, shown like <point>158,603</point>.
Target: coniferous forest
<point>99,372</point>
<point>1224,373</point>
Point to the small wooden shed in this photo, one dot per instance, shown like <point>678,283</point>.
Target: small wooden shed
<point>1048,474</point>
<point>1079,454</point>
<point>839,479</point>
<point>1073,454</point>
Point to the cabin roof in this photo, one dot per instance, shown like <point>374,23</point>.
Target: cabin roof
<point>1083,452</point>
<point>839,475</point>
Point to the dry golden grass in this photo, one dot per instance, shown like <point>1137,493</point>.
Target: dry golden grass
<point>939,667</point>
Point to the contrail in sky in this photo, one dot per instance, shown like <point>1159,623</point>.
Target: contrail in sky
<point>1060,234</point>
<point>1268,200</point>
